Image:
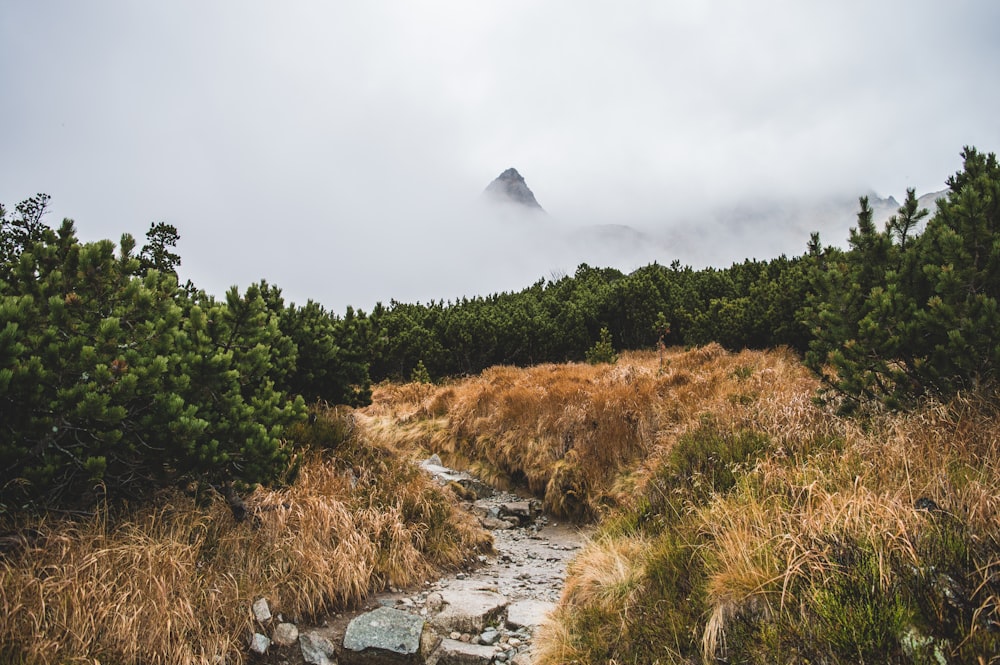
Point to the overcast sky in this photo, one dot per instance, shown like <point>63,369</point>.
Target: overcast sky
<point>338,149</point>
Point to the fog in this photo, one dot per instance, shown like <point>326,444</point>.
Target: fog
<point>339,150</point>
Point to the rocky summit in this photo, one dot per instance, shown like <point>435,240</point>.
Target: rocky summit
<point>509,187</point>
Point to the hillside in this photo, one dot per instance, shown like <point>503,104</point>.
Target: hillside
<point>738,521</point>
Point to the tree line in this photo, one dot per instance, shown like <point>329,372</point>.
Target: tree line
<point>115,376</point>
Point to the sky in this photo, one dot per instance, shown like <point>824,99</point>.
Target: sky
<point>339,149</point>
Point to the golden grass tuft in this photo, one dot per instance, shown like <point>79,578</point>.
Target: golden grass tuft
<point>174,583</point>
<point>604,581</point>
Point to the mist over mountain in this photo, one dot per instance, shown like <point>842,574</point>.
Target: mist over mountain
<point>443,239</point>
<point>523,234</point>
<point>766,227</point>
<point>763,228</point>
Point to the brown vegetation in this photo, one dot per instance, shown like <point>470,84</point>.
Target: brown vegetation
<point>778,532</point>
<point>575,434</point>
<point>739,520</point>
<point>174,583</point>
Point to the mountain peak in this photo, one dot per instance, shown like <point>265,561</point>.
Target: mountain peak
<point>509,187</point>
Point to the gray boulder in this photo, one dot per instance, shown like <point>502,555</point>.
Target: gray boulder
<point>261,612</point>
<point>259,644</point>
<point>455,652</point>
<point>387,635</point>
<point>469,610</point>
<point>316,649</point>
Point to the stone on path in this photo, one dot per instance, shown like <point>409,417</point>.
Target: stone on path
<point>387,635</point>
<point>285,634</point>
<point>261,612</point>
<point>524,511</point>
<point>455,652</point>
<point>259,643</point>
<point>469,610</point>
<point>523,658</point>
<point>316,649</point>
<point>444,475</point>
<point>528,613</point>
<point>494,524</point>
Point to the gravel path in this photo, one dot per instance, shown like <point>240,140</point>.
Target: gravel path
<point>528,570</point>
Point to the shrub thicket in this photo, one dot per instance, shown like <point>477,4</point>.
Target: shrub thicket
<point>905,313</point>
<point>115,381</point>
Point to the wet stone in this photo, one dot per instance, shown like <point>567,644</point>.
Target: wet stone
<point>384,635</point>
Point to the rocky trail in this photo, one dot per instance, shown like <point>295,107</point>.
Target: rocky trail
<point>488,614</point>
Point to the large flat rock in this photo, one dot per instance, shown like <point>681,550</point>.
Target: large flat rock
<point>388,636</point>
<point>456,652</point>
<point>528,613</point>
<point>468,610</point>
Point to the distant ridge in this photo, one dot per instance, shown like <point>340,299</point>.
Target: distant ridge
<point>509,187</point>
<point>886,208</point>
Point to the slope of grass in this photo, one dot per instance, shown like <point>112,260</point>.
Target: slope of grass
<point>782,535</point>
<point>738,521</point>
<point>174,583</point>
<point>573,434</point>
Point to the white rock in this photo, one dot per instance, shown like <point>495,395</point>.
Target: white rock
<point>463,653</point>
<point>261,612</point>
<point>259,643</point>
<point>285,634</point>
<point>528,613</point>
<point>316,649</point>
<point>468,610</point>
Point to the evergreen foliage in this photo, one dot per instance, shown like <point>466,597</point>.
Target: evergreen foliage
<point>603,351</point>
<point>114,381</point>
<point>420,373</point>
<point>751,305</point>
<point>903,314</point>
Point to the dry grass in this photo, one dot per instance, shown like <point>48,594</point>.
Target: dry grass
<point>818,549</point>
<point>571,434</point>
<point>174,584</point>
<point>739,520</point>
